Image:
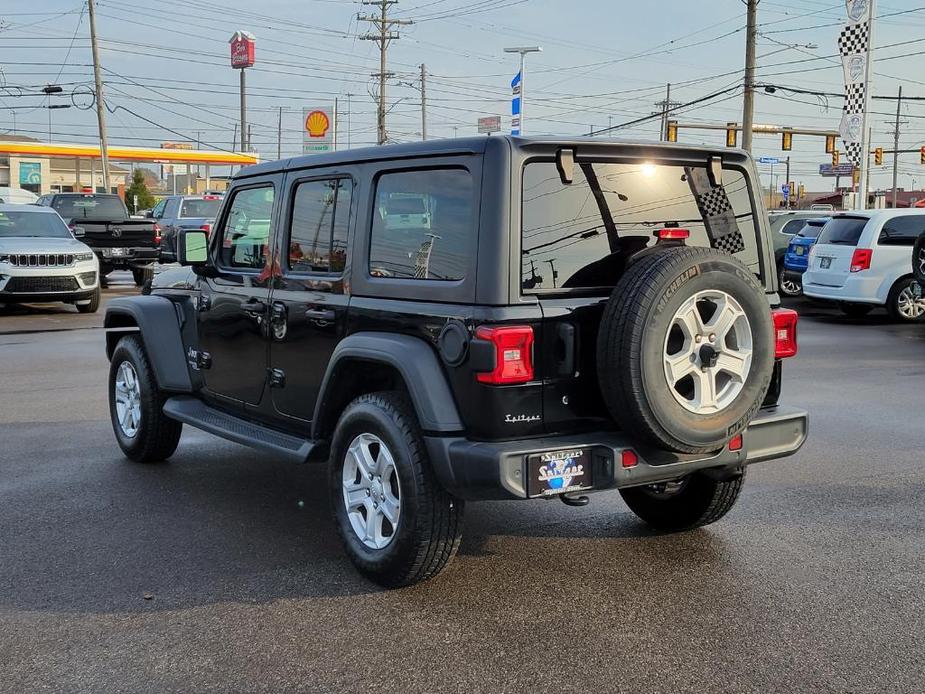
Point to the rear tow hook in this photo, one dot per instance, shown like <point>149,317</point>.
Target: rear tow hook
<point>574,500</point>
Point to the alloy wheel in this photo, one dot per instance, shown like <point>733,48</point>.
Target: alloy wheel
<point>128,399</point>
<point>371,491</point>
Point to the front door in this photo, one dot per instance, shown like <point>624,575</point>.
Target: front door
<point>234,304</point>
<point>308,304</point>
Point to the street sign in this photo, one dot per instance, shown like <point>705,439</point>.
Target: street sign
<point>830,171</point>
<point>785,189</point>
<point>768,160</point>
<point>490,124</point>
<point>319,130</point>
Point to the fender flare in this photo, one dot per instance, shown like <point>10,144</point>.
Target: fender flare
<point>418,366</point>
<point>156,318</point>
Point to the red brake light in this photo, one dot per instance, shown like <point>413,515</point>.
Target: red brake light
<point>157,232</point>
<point>735,443</point>
<point>672,234</point>
<point>785,332</point>
<point>513,354</point>
<point>210,197</point>
<point>206,228</point>
<point>860,259</point>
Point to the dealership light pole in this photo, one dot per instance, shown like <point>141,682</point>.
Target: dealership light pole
<point>522,50</point>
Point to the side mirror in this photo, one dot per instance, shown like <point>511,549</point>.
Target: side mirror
<point>79,232</point>
<point>192,247</point>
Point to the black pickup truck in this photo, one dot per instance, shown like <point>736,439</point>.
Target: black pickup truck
<point>103,223</point>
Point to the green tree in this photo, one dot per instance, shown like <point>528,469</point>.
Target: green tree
<point>140,189</point>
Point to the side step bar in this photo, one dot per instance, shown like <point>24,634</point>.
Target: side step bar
<point>196,413</point>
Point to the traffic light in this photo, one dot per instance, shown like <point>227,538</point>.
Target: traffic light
<point>834,157</point>
<point>878,156</point>
<point>829,144</point>
<point>802,191</point>
<point>732,135</point>
<point>922,156</point>
<point>786,143</point>
<point>855,176</point>
<point>671,131</point>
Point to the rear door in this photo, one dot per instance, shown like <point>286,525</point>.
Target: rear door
<point>830,259</point>
<point>576,243</point>
<point>234,303</point>
<point>309,303</point>
<point>892,256</point>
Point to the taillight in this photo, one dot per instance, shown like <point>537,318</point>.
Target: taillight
<point>860,259</point>
<point>785,332</point>
<point>157,233</point>
<point>629,458</point>
<point>672,234</point>
<point>735,443</point>
<point>206,228</point>
<point>513,350</point>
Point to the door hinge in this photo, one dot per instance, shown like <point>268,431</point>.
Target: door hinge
<point>277,378</point>
<point>199,360</point>
<point>203,303</point>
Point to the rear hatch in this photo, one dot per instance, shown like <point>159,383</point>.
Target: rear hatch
<point>196,213</point>
<point>576,242</point>
<point>801,244</point>
<point>830,259</point>
<point>126,233</point>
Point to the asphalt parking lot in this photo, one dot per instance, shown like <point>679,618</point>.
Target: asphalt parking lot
<point>220,571</point>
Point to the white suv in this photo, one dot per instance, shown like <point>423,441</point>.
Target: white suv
<point>864,259</point>
<point>41,260</point>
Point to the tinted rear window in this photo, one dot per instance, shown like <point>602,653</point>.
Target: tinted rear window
<point>582,235</point>
<point>902,231</point>
<point>843,231</point>
<point>89,207</point>
<point>811,231</point>
<point>793,226</point>
<point>200,208</point>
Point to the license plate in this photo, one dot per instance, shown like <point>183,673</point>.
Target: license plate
<point>799,250</point>
<point>559,472</point>
<point>119,251</point>
<point>825,263</point>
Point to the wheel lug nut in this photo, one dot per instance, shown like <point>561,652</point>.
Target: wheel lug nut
<point>712,338</point>
<point>698,339</point>
<point>367,492</point>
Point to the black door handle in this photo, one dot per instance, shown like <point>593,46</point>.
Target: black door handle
<point>320,314</point>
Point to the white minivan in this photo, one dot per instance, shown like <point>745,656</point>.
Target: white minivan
<point>864,259</point>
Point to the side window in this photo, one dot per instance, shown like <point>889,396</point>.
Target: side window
<point>902,231</point>
<point>320,219</point>
<point>246,237</point>
<point>793,226</point>
<point>422,224</point>
<point>158,210</point>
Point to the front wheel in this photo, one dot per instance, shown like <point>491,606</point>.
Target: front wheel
<point>145,434</point>
<point>903,303</point>
<point>139,275</point>
<point>691,502</point>
<point>397,524</point>
<point>93,305</point>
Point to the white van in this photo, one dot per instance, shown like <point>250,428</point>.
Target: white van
<point>864,259</point>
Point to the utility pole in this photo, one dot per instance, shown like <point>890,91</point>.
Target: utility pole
<point>383,38</point>
<point>751,38</point>
<point>279,135</point>
<point>349,108</point>
<point>899,103</point>
<point>423,101</point>
<point>863,182</point>
<point>100,105</point>
<point>787,182</point>
<point>665,105</point>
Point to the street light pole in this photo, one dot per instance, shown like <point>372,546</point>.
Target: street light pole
<point>100,105</point>
<point>523,50</point>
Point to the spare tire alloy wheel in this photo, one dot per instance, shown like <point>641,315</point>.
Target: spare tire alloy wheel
<point>686,349</point>
<point>371,491</point>
<point>127,398</point>
<point>918,260</point>
<point>707,361</point>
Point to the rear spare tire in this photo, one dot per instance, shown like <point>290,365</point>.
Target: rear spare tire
<point>918,260</point>
<point>685,352</point>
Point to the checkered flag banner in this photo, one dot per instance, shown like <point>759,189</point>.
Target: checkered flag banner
<point>716,210</point>
<point>854,47</point>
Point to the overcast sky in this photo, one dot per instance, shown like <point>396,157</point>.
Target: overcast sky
<point>603,61</point>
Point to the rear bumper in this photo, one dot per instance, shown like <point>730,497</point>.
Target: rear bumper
<point>497,470</point>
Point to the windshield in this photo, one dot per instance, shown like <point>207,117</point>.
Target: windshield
<point>200,208</point>
<point>89,207</point>
<point>33,225</point>
<point>582,235</point>
<point>843,231</point>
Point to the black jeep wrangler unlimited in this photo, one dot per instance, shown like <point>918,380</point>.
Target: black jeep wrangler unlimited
<point>492,318</point>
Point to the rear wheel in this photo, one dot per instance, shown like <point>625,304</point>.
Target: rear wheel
<point>684,504</point>
<point>903,304</point>
<point>145,434</point>
<point>140,275</point>
<point>397,524</point>
<point>789,286</point>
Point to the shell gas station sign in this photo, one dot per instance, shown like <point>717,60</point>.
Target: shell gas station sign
<point>318,130</point>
